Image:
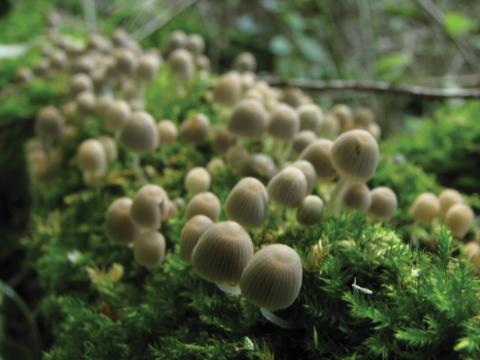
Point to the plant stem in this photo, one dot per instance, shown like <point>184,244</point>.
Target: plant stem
<point>274,319</point>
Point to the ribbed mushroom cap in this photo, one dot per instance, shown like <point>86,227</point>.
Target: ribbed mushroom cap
<point>195,44</point>
<point>425,208</point>
<point>197,180</point>
<point>303,139</point>
<point>471,251</point>
<point>41,67</point>
<point>383,203</point>
<point>125,61</point>
<point>344,115</point>
<point>58,60</point>
<point>273,278</point>
<point>103,105</point>
<point>167,132</point>
<point>109,146</point>
<point>247,202</point>
<point>311,117</point>
<point>223,139</point>
<point>150,207</point>
<point>139,134</point>
<point>364,116</point>
<point>228,89</point>
<point>205,203</point>
<point>319,154</point>
<point>288,187</point>
<point>248,80</point>
<point>119,224</point>
<point>459,219</point>
<point>222,253</point>
<point>149,249</point>
<point>448,198</point>
<point>310,210</point>
<point>91,156</point>
<point>177,40</point>
<point>355,155</point>
<point>147,67</point>
<point>292,96</point>
<point>245,62</point>
<point>79,83</point>
<point>284,123</point>
<point>181,63</point>
<point>249,119</point>
<point>260,166</point>
<point>330,128</point>
<point>375,130</point>
<point>202,63</point>
<point>357,196</point>
<point>215,166</point>
<point>191,233</point>
<point>309,171</point>
<point>117,115</point>
<point>196,129</point>
<point>50,123</point>
<point>86,103</point>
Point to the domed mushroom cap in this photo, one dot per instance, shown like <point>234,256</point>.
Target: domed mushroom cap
<point>205,203</point>
<point>177,40</point>
<point>245,62</point>
<point>355,155</point>
<point>202,63</point>
<point>311,117</point>
<point>197,180</point>
<point>284,122</point>
<point>86,103</point>
<point>247,203</point>
<point>236,156</point>
<point>303,139</point>
<point>425,208</point>
<point>383,203</point>
<point>448,198</point>
<point>196,129</point>
<point>249,119</point>
<point>310,210</point>
<point>288,187</point>
<point>222,253</point>
<point>215,166</point>
<point>58,60</point>
<point>273,278</point>
<point>309,171</point>
<point>330,128</point>
<point>117,115</point>
<point>459,219</point>
<point>167,132</point>
<point>260,166</point>
<point>24,74</point>
<point>228,89</point>
<point>364,116</point>
<point>149,249</point>
<point>91,156</point>
<point>49,123</point>
<point>292,96</point>
<point>223,139</point>
<point>150,207</point>
<point>139,134</point>
<point>79,83</point>
<point>195,44</point>
<point>103,104</point>
<point>109,146</point>
<point>191,233</point>
<point>375,130</point>
<point>181,63</point>
<point>319,154</point>
<point>471,251</point>
<point>125,61</point>
<point>357,196</point>
<point>344,115</point>
<point>147,67</point>
<point>119,224</point>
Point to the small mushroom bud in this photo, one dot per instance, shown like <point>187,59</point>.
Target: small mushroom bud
<point>383,203</point>
<point>319,154</point>
<point>80,83</point>
<point>196,129</point>
<point>103,105</point>
<point>202,63</point>
<point>86,103</point>
<point>247,203</point>
<point>330,128</point>
<point>228,89</point>
<point>117,115</point>
<point>310,210</point>
<point>150,207</point>
<point>139,134</point>
<point>311,117</point>
<point>147,67</point>
<point>375,130</point>
<point>191,233</point>
<point>273,278</point>
<point>284,122</point>
<point>364,116</point>
<point>91,156</point>
<point>205,203</point>
<point>357,196</point>
<point>288,187</point>
<point>215,166</point>
<point>181,64</point>
<point>125,61</point>
<point>344,115</point>
<point>119,224</point>
<point>236,155</point>
<point>149,249</point>
<point>448,198</point>
<point>109,146</point>
<point>245,62</point>
<point>459,219</point>
<point>471,251</point>
<point>425,208</point>
<point>195,44</point>
<point>177,40</point>
<point>223,139</point>
<point>249,119</point>
<point>197,180</point>
<point>303,139</point>
<point>293,97</point>
<point>49,123</point>
<point>222,253</point>
<point>167,132</point>
<point>260,166</point>
<point>309,171</point>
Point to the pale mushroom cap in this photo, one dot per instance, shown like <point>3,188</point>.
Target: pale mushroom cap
<point>103,105</point>
<point>330,128</point>
<point>109,146</point>
<point>309,171</point>
<point>284,123</point>
<point>49,123</point>
<point>303,139</point>
<point>245,62</point>
<point>310,210</point>
<point>357,196</point>
<point>364,116</point>
<point>448,198</point>
<point>249,119</point>
<point>150,207</point>
<point>222,253</point>
<point>228,89</point>
<point>191,233</point>
<point>215,165</point>
<point>181,63</point>
<point>195,44</point>
<point>425,208</point>
<point>205,203</point>
<point>375,130</point>
<point>79,83</point>
<point>167,132</point>
<point>196,129</point>
<point>147,67</point>
<point>139,134</point>
<point>273,278</point>
<point>355,155</point>
<point>236,155</point>
<point>117,115</point>
<point>311,117</point>
<point>319,154</point>
<point>86,103</point>
<point>125,61</point>
<point>383,203</point>
<point>91,156</point>
<point>459,219</point>
<point>224,138</point>
<point>288,187</point>
<point>119,224</point>
<point>247,203</point>
<point>149,249</point>
<point>260,166</point>
<point>202,63</point>
<point>471,251</point>
<point>344,115</point>
<point>292,96</point>
<point>197,180</point>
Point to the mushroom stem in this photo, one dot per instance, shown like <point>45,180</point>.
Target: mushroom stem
<point>181,92</point>
<point>286,153</point>
<point>229,289</point>
<point>137,168</point>
<point>270,316</point>
<point>335,203</point>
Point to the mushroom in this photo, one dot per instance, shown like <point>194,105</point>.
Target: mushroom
<point>149,249</point>
<point>223,139</point>
<point>344,115</point>
<point>319,154</point>
<point>109,146</point>
<point>288,187</point>
<point>117,115</point>
<point>283,126</point>
<point>245,62</point>
<point>357,196</point>
<point>80,83</point>
<point>310,210</point>
<point>302,140</point>
<point>425,208</point>
<point>147,67</point>
<point>204,203</point>
<point>167,132</point>
<point>447,199</point>
<point>215,166</point>
<point>258,165</point>
<point>92,157</point>
<point>196,129</point>
<point>459,219</point>
<point>249,119</point>
<point>191,233</point>
<point>150,207</point>
<point>363,117</point>
<point>311,117</point>
<point>49,124</point>
<point>195,44</point>
<point>236,155</point>
<point>119,224</point>
<point>182,66</point>
<point>86,103</point>
<point>228,89</point>
<point>197,180</point>
<point>383,203</point>
<point>309,171</point>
